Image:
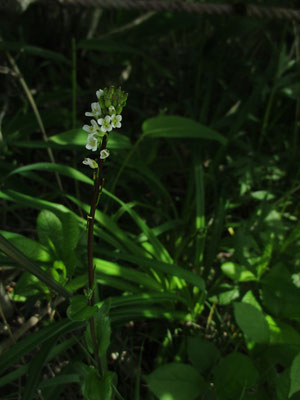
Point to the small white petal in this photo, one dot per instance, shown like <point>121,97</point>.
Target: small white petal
<point>99,93</point>
<point>87,128</point>
<point>92,143</point>
<point>92,163</point>
<point>104,154</point>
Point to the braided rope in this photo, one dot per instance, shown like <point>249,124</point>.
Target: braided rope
<point>181,6</point>
<point>248,10</point>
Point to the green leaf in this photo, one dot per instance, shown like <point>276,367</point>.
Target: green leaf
<point>77,138</point>
<point>96,388</point>
<point>79,310</point>
<point>280,295</point>
<point>295,376</point>
<point>176,381</point>
<point>12,252</point>
<point>102,330</point>
<point>234,375</point>
<point>53,167</point>
<point>237,273</point>
<point>252,322</point>
<point>113,269</point>
<point>202,353</point>
<point>282,333</point>
<point>29,247</point>
<point>170,269</point>
<point>179,127</point>
<point>49,229</point>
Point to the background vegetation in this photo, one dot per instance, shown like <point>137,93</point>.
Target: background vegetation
<point>197,240</point>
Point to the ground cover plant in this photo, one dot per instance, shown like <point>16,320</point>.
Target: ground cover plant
<point>154,252</point>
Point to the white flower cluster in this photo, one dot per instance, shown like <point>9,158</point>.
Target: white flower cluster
<point>104,120</point>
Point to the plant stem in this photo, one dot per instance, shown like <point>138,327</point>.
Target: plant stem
<point>98,185</point>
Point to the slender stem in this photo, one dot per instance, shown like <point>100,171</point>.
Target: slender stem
<point>98,185</point>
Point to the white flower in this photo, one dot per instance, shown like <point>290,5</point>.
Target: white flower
<point>111,110</point>
<point>92,163</point>
<point>99,93</point>
<point>105,124</point>
<point>93,128</point>
<point>104,154</point>
<point>92,143</point>
<point>116,121</point>
<point>96,111</point>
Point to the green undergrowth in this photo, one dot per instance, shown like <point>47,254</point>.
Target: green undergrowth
<point>197,238</point>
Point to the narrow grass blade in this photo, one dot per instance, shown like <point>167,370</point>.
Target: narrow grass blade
<point>25,346</point>
<point>200,218</point>
<point>35,368</point>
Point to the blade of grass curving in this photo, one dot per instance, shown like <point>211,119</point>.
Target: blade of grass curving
<point>118,283</point>
<point>53,167</point>
<point>146,299</point>
<point>12,252</point>
<point>28,201</point>
<point>35,368</point>
<point>25,346</point>
<point>200,218</point>
<point>172,126</point>
<point>130,274</point>
<point>112,227</point>
<point>159,251</point>
<point>137,313</point>
<point>169,269</point>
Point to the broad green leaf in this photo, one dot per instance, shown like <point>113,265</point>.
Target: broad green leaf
<point>252,322</point>
<point>249,298</point>
<point>179,127</point>
<point>13,253</point>
<point>280,295</point>
<point>49,229</point>
<point>79,309</point>
<point>30,285</point>
<point>237,273</point>
<point>295,376</point>
<point>96,388</point>
<point>29,247</point>
<point>202,353</point>
<point>234,375</point>
<point>176,381</point>
<point>282,333</point>
<point>102,330</point>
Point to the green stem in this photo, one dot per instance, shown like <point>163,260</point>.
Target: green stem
<point>98,184</point>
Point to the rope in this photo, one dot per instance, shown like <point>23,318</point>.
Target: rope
<point>239,9</point>
<point>247,10</point>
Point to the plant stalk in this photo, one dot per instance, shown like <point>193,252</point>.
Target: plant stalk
<point>98,185</point>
